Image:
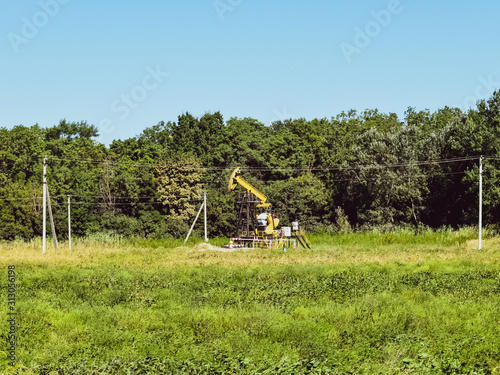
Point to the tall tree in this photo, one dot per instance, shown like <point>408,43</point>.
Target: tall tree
<point>388,186</point>
<point>180,185</point>
<point>202,137</point>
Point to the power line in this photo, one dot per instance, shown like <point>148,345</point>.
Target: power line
<point>114,198</point>
<point>18,199</point>
<point>97,197</point>
<point>104,162</point>
<point>336,168</point>
<point>357,179</point>
<point>325,169</point>
<point>293,169</point>
<point>269,169</point>
<point>56,204</point>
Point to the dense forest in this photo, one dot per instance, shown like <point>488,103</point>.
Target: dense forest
<point>353,172</point>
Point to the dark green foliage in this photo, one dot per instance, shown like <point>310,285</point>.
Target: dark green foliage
<point>370,164</point>
<point>389,187</point>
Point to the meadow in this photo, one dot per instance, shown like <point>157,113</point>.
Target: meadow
<point>360,303</point>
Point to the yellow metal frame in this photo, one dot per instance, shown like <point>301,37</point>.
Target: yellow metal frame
<point>236,179</point>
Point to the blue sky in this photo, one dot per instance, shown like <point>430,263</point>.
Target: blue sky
<point>126,65</point>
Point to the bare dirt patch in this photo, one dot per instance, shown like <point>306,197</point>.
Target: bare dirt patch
<point>207,246</point>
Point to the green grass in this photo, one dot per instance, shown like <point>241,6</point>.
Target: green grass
<point>441,237</point>
<point>361,304</point>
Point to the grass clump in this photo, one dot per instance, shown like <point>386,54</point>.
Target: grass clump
<point>354,304</point>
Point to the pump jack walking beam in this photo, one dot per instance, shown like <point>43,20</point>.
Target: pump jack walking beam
<point>236,179</point>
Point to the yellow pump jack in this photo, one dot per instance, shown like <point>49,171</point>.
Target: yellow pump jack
<point>272,220</point>
<point>260,230</point>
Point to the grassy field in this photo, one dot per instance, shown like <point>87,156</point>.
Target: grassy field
<point>393,303</point>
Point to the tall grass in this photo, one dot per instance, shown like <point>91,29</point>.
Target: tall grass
<point>440,237</point>
<point>380,248</point>
<point>365,303</point>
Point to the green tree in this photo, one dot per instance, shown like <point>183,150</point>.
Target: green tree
<point>388,187</point>
<point>302,199</point>
<point>453,198</point>
<point>202,137</point>
<point>245,139</point>
<point>180,185</point>
<point>21,156</point>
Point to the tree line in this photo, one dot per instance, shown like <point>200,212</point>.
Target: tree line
<point>355,171</point>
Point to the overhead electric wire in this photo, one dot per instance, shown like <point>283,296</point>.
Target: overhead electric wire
<point>104,162</point>
<point>17,199</point>
<point>57,197</point>
<point>57,204</point>
<point>496,158</point>
<point>357,179</point>
<point>269,169</point>
<point>262,169</point>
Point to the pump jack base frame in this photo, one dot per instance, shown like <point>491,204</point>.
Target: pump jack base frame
<point>262,243</point>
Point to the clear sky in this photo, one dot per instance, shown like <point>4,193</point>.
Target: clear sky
<point>126,65</point>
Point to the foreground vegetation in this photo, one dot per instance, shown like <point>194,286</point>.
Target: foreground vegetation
<point>360,303</point>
